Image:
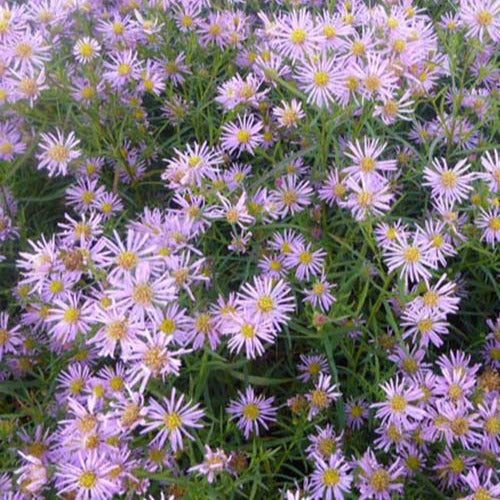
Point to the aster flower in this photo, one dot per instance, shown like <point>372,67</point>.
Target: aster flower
<point>252,411</point>
<point>249,331</point>
<point>321,80</point>
<point>368,197</point>
<point>272,301</point>
<point>308,263</point>
<point>320,294</point>
<point>214,462</point>
<point>290,114</point>
<point>357,413</point>
<point>489,415</point>
<point>291,196</point>
<point>87,477</point>
<point>123,68</point>
<point>331,478</point>
<point>333,188</point>
<point>245,135</point>
<point>451,184</point>
<point>400,407</point>
<point>86,49</point>
<point>482,487</point>
<point>451,466</point>
<point>411,258</point>
<point>425,326</point>
<point>10,338</point>
<point>324,444</point>
<point>366,159</point>
<point>491,164</point>
<point>57,152</point>
<point>322,396</point>
<point>489,222</point>
<point>173,418</point>
<point>311,367</point>
<point>296,35</point>
<point>482,17</point>
<point>379,482</point>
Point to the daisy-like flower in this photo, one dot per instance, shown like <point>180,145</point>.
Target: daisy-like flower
<point>368,197</point>
<point>491,164</point>
<point>245,135</point>
<point>455,386</point>
<point>322,396</point>
<point>333,188</point>
<point>10,338</point>
<point>272,266</point>
<point>378,482</point>
<point>86,478</point>
<point>57,152</point>
<point>440,243</point>
<point>357,413</point>
<point>482,17</point>
<point>70,317</point>
<point>289,115</point>
<point>366,159</point>
<point>233,213</point>
<point>411,258</point>
<point>331,478</point>
<point>489,222</point>
<point>451,184</point>
<point>376,77</point>
<point>321,79</point>
<point>86,49</point>
<point>123,68</point>
<point>489,415</point>
<point>296,35</point>
<point>311,367</point>
<point>150,357</point>
<point>292,196</point>
<point>173,418</point>
<point>424,326</point>
<point>249,331</point>
<point>400,408</point>
<point>252,412</point>
<point>325,443</point>
<point>213,463</point>
<point>272,301</point>
<point>141,293</point>
<point>307,262</point>
<point>320,294</point>
<point>482,486</point>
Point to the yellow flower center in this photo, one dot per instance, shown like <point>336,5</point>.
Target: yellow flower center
<point>305,258</point>
<point>367,165</point>
<point>298,36</point>
<point>459,426</point>
<point>71,315</point>
<point>232,216</point>
<point>448,179</point>
<point>142,294</point>
<point>86,50</point>
<point>424,325</point>
<point>331,477</point>
<point>130,415</point>
<point>116,384</point>
<point>172,421</point>
<point>484,18</point>
<point>321,78</point>
<point>37,449</point>
<point>494,224</point>
<point>88,480</point>
<point>430,299</point>
<point>154,359</point>
<point>247,331</point>
<point>329,32</point>
<point>398,404</point>
<point>398,45</point>
<point>482,494</point>
<point>365,198</point>
<point>319,398</point>
<point>372,83</point>
<point>456,465</point>
<point>492,426</point>
<point>380,480</point>
<point>24,50</point>
<point>410,365</point>
<point>167,326</point>
<point>356,411</point>
<point>251,412</point>
<point>265,304</point>
<point>203,323</point>
<point>411,255</point>
<point>358,49</point>
<point>243,136</point>
<point>392,23</point>
<point>59,154</point>
<point>124,69</point>
<point>117,330</point>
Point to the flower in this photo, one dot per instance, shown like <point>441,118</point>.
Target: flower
<point>173,419</point>
<point>330,478</point>
<point>322,396</point>
<point>400,407</point>
<point>481,18</point>
<point>242,136</point>
<point>57,152</point>
<point>214,461</point>
<point>252,412</point>
<point>451,184</point>
<point>86,49</point>
<point>87,477</point>
<point>366,162</point>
